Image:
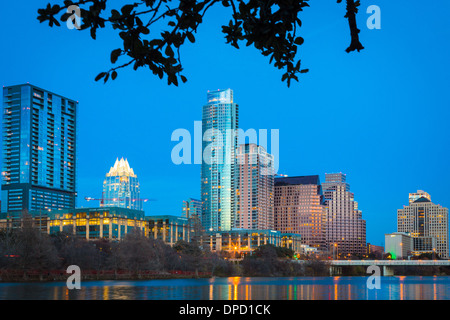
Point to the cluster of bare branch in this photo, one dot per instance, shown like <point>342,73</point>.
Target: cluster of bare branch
<point>27,248</point>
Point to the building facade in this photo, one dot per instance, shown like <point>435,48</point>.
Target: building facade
<point>111,223</point>
<point>345,228</point>
<point>398,244</point>
<point>169,229</point>
<point>298,208</point>
<point>38,149</point>
<point>427,223</point>
<point>114,223</point>
<point>243,242</point>
<point>192,209</point>
<point>375,251</point>
<point>255,188</point>
<point>218,185</point>
<point>121,187</point>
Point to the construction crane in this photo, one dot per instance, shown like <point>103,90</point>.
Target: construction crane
<point>280,175</point>
<point>116,199</point>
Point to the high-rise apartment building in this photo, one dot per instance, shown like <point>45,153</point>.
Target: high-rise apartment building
<point>427,223</point>
<point>255,185</point>
<point>299,208</point>
<point>39,150</point>
<point>121,187</point>
<point>345,229</point>
<point>218,185</point>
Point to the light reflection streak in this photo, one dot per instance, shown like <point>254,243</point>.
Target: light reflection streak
<point>236,288</point>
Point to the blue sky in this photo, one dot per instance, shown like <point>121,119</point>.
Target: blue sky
<point>380,115</point>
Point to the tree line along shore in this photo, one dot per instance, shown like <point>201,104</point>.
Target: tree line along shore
<point>26,254</point>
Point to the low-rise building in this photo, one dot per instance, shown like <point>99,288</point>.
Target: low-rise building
<point>373,250</point>
<point>169,229</point>
<point>113,223</point>
<point>244,241</point>
<point>398,244</point>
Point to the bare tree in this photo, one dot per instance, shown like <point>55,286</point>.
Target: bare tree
<point>137,253</point>
<point>33,249</point>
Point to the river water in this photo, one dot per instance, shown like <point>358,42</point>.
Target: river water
<point>238,288</point>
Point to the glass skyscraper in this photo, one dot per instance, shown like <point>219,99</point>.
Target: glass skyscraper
<point>121,187</point>
<point>218,183</point>
<point>38,150</point>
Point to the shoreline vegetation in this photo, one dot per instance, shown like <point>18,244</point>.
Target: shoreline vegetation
<point>93,275</point>
<point>27,254</point>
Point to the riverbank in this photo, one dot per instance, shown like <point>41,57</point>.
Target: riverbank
<point>236,271</point>
<point>92,275</point>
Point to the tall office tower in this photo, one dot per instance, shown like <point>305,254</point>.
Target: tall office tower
<point>121,187</point>
<point>345,230</point>
<point>192,208</point>
<point>299,209</point>
<point>219,123</point>
<point>419,194</point>
<point>427,223</point>
<point>254,192</point>
<point>39,150</point>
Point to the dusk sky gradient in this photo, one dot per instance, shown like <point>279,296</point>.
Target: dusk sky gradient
<point>380,116</point>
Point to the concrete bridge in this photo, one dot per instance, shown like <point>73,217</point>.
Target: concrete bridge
<point>336,265</point>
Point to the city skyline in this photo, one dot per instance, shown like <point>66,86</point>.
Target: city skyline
<point>216,100</point>
<point>376,126</point>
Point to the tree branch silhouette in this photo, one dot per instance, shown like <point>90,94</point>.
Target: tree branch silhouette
<point>270,26</point>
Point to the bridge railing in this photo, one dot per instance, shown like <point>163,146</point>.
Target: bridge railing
<point>390,262</point>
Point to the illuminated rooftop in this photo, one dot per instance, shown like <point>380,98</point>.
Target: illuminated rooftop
<point>220,96</point>
<point>121,168</point>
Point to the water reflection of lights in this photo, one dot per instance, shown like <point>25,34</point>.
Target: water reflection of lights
<point>233,288</point>
<point>106,293</point>
<point>240,288</point>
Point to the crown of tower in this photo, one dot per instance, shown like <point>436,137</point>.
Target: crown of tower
<point>121,168</point>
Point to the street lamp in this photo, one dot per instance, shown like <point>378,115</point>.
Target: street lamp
<point>334,250</point>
